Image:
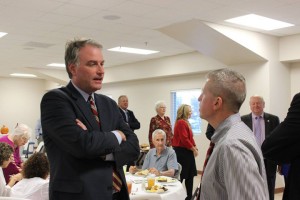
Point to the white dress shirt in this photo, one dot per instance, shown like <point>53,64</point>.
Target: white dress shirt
<point>4,189</point>
<point>33,188</point>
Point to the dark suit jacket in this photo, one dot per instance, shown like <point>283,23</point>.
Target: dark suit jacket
<point>133,123</point>
<point>77,171</point>
<point>271,122</point>
<point>283,146</point>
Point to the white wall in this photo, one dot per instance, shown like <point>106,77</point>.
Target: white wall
<point>295,79</point>
<point>20,101</point>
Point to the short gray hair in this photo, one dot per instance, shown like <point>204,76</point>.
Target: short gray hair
<point>159,131</point>
<point>21,130</point>
<point>72,51</point>
<point>230,86</point>
<point>158,104</point>
<point>258,96</point>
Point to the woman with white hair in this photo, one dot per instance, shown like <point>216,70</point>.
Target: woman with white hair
<point>160,121</point>
<point>19,137</point>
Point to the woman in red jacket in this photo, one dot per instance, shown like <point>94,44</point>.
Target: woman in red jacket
<point>185,147</point>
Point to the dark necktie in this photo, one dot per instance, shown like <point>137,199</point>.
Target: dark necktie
<point>117,183</point>
<point>208,154</point>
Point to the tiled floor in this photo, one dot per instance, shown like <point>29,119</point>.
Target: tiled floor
<point>197,181</point>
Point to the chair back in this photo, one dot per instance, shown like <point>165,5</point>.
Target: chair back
<point>28,149</point>
<point>178,172</point>
<point>41,147</point>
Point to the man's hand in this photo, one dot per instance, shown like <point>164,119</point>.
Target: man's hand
<point>133,169</point>
<point>80,124</point>
<point>154,171</point>
<point>123,136</point>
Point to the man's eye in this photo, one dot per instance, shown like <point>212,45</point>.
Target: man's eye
<point>91,64</point>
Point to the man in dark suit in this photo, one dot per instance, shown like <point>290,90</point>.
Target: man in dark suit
<point>128,115</point>
<point>86,139</point>
<point>283,146</point>
<point>267,123</point>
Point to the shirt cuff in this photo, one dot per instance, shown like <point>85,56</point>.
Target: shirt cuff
<point>119,138</point>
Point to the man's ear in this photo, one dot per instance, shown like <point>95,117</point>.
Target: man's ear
<point>71,68</point>
<point>218,102</point>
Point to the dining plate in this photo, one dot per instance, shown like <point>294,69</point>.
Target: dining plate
<point>157,189</point>
<point>165,179</point>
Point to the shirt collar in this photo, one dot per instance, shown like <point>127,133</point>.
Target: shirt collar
<point>225,126</point>
<point>83,93</point>
<point>163,152</point>
<point>254,116</point>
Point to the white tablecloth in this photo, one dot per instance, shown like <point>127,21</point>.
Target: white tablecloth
<point>175,191</point>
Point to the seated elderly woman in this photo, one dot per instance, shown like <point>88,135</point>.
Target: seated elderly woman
<point>35,182</point>
<point>19,137</point>
<point>6,155</point>
<point>160,160</point>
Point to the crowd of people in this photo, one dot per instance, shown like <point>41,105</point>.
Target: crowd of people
<point>89,138</point>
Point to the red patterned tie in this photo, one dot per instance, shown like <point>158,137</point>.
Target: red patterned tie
<point>208,153</point>
<point>117,183</point>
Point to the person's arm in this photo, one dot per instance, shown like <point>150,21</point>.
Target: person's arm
<point>133,122</point>
<point>14,178</point>
<point>243,172</point>
<point>12,168</point>
<point>172,164</point>
<point>133,169</point>
<point>58,119</point>
<point>183,130</point>
<point>169,172</point>
<point>283,144</point>
<point>152,128</point>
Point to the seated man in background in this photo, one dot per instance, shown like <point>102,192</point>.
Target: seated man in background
<point>35,182</point>
<point>160,160</point>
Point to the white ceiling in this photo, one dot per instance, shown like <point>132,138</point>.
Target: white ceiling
<point>38,29</point>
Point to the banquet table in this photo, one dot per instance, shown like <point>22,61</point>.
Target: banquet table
<point>175,190</point>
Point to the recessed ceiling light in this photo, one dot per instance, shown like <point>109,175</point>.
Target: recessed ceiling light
<point>56,65</point>
<point>132,50</point>
<point>23,75</point>
<point>2,34</point>
<point>260,22</point>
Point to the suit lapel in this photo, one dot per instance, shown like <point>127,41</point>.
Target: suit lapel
<point>123,114</point>
<point>267,123</point>
<point>249,121</point>
<point>84,107</point>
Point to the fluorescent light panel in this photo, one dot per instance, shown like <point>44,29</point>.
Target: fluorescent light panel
<point>132,50</point>
<point>260,22</point>
<point>56,65</point>
<point>23,75</point>
<point>2,34</point>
